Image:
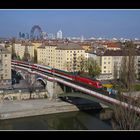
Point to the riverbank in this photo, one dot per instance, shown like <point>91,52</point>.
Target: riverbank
<point>26,108</point>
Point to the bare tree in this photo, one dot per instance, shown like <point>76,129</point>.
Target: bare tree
<point>26,56</point>
<point>35,56</point>
<point>127,118</point>
<point>92,67</point>
<point>115,72</point>
<point>128,67</point>
<point>30,85</point>
<point>81,64</point>
<point>14,56</point>
<point>68,66</point>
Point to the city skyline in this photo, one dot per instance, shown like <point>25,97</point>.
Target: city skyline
<point>89,23</point>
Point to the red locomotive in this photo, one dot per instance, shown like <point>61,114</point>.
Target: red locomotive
<point>77,78</point>
<point>91,82</point>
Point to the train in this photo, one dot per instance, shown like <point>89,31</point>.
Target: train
<point>60,73</point>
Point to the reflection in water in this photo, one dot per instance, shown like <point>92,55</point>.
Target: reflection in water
<point>88,120</point>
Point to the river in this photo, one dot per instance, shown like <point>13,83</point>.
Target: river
<point>78,120</point>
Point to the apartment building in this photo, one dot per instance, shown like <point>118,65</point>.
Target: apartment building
<point>5,67</point>
<point>138,63</point>
<point>7,45</point>
<point>61,56</point>
<point>46,54</point>
<point>86,46</point>
<point>109,45</point>
<point>36,44</point>
<point>111,61</point>
<point>68,56</point>
<point>20,49</point>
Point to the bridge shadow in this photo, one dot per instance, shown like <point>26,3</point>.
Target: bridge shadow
<point>92,108</point>
<point>82,104</point>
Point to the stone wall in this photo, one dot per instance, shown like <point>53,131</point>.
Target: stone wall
<point>23,96</point>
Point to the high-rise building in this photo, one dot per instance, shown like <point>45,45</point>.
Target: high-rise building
<point>82,38</point>
<point>51,36</point>
<point>59,34</point>
<point>27,35</point>
<point>44,35</point>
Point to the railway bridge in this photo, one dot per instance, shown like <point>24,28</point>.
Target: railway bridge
<point>53,84</point>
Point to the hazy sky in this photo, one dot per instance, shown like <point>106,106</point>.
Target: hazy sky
<point>95,23</point>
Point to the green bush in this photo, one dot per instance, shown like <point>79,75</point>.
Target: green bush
<point>14,98</point>
<point>45,96</point>
<point>137,87</point>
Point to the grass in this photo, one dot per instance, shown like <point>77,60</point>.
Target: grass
<point>137,87</point>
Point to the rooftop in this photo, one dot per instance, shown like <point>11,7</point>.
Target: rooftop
<point>3,50</point>
<point>113,53</point>
<point>118,53</point>
<point>69,46</point>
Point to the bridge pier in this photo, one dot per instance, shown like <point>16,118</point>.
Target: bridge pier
<point>53,89</point>
<point>64,89</point>
<point>72,90</point>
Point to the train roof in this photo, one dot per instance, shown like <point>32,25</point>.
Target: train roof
<point>90,78</point>
<point>76,74</point>
<point>43,66</point>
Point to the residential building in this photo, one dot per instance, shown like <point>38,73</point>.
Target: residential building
<point>5,67</point>
<point>68,56</point>
<point>20,49</point>
<point>107,64</point>
<point>111,61</point>
<point>109,45</point>
<point>36,44</point>
<point>61,56</point>
<point>2,44</point>
<point>46,54</point>
<point>86,46</point>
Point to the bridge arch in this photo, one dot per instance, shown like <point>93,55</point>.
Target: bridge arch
<point>8,98</point>
<point>21,74</point>
<point>42,80</point>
